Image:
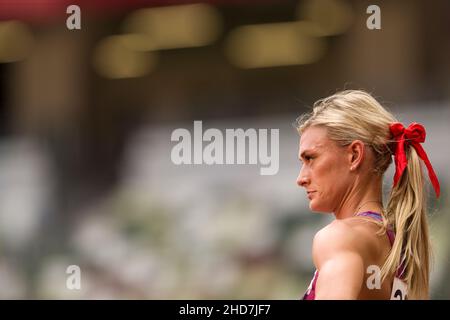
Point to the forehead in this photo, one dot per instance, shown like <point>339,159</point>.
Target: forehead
<point>314,138</point>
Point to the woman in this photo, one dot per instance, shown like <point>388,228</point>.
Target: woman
<point>369,251</point>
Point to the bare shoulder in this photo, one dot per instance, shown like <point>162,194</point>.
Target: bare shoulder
<point>349,235</point>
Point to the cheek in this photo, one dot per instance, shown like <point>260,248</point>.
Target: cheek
<point>327,173</point>
<point>330,180</point>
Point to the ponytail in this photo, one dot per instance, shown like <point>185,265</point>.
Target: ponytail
<point>406,213</point>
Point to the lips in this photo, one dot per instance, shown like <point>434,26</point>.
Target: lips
<point>310,193</point>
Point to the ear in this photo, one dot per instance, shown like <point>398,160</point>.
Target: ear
<point>356,151</point>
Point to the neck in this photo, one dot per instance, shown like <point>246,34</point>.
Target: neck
<point>361,198</point>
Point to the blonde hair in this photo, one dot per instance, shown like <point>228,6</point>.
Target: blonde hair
<point>355,115</point>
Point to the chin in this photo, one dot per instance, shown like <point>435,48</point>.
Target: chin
<point>316,207</point>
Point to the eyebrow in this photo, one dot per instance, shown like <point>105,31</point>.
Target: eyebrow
<point>302,155</point>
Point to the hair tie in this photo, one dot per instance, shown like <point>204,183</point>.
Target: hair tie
<point>414,135</point>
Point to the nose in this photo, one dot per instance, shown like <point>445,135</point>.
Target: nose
<point>302,179</point>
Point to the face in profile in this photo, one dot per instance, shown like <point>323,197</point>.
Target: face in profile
<point>324,173</point>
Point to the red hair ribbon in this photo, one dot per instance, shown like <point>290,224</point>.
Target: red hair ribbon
<point>414,135</point>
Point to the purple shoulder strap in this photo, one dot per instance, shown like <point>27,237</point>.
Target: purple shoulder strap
<point>377,216</point>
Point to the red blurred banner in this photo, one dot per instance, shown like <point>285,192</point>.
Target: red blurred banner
<point>44,11</point>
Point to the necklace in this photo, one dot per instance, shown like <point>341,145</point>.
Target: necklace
<point>357,210</point>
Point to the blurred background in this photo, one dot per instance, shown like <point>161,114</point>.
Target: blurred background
<point>86,118</point>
